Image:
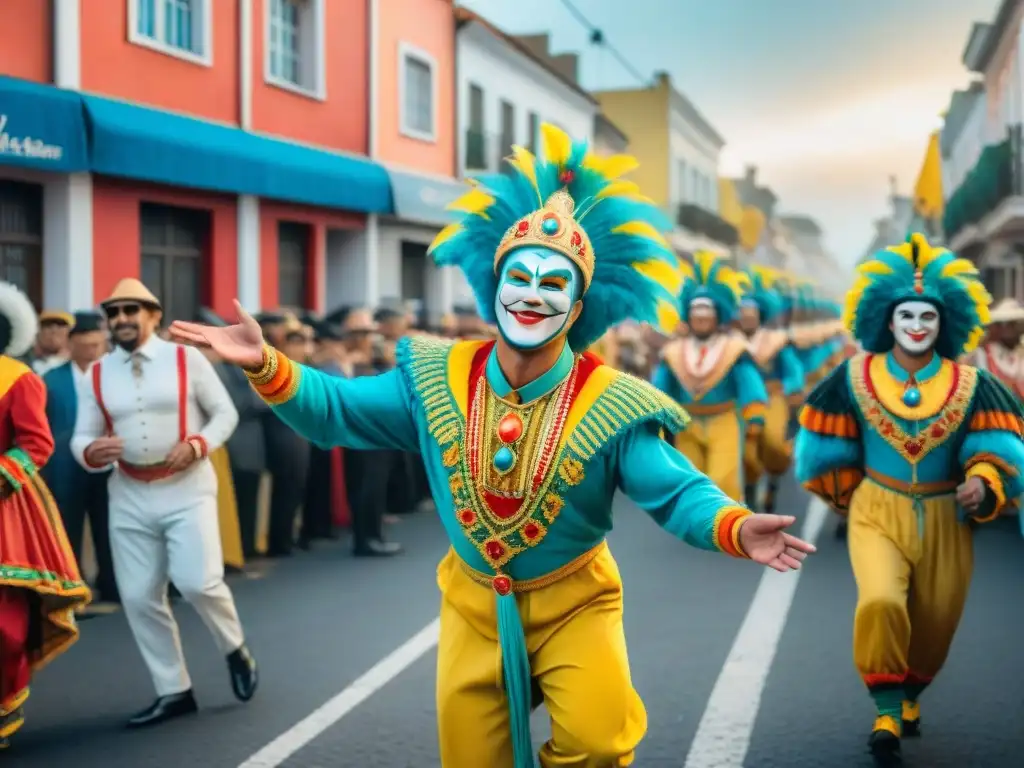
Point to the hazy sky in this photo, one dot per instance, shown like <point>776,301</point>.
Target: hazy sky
<point>828,99</point>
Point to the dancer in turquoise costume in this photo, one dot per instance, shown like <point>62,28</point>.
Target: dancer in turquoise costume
<point>770,348</point>
<point>524,441</point>
<point>711,374</point>
<point>915,448</point>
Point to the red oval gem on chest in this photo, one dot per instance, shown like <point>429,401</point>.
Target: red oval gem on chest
<point>938,431</point>
<point>531,530</point>
<point>912,448</point>
<point>502,584</point>
<point>510,428</point>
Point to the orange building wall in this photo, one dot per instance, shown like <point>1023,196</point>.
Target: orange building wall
<point>117,241</point>
<point>271,214</point>
<point>26,40</point>
<point>113,66</point>
<point>429,26</point>
<point>339,122</point>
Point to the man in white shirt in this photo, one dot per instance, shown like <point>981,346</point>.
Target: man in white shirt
<point>155,411</point>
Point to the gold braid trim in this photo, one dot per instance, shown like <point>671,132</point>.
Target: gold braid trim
<point>267,371</point>
<point>530,585</point>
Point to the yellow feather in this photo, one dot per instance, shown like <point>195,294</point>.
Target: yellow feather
<point>703,262</point>
<point>874,268</point>
<point>445,235</point>
<point>611,167</point>
<point>556,144</point>
<point>524,162</point>
<point>475,201</point>
<point>668,317</point>
<point>619,189</point>
<point>641,229</point>
<point>685,269</point>
<point>660,272</point>
<point>959,267</point>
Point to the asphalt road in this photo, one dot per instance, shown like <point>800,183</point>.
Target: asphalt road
<point>318,622</point>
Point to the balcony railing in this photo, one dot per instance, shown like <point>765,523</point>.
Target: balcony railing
<point>996,176</point>
<point>704,222</point>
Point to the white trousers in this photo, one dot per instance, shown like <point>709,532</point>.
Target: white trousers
<point>169,530</point>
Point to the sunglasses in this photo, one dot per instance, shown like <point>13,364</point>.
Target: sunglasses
<point>128,310</point>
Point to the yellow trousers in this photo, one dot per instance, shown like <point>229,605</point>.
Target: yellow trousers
<point>577,649</point>
<point>775,451</point>
<point>714,444</point>
<point>227,509</point>
<point>911,584</point>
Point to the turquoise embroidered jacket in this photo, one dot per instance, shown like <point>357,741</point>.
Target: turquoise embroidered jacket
<point>846,433</point>
<point>611,441</point>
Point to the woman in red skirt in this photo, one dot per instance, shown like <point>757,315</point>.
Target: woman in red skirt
<point>40,586</point>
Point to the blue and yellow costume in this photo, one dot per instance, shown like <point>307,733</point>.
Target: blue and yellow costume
<point>715,379</point>
<point>779,365</point>
<point>809,335</point>
<point>890,449</point>
<point>523,479</point>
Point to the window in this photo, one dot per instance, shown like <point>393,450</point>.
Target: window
<point>174,245</point>
<point>533,126</point>
<point>293,265</point>
<point>681,196</point>
<point>508,132</point>
<point>476,154</point>
<point>414,272</point>
<point>294,44</point>
<point>179,28</point>
<point>417,93</point>
<point>21,238</point>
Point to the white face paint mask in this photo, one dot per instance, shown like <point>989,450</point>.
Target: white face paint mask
<point>536,293</point>
<point>915,325</point>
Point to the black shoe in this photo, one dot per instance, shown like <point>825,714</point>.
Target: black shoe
<point>885,749</point>
<point>165,708</point>
<point>244,675</point>
<point>376,548</point>
<point>841,527</point>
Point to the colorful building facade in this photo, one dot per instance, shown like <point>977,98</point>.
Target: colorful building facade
<point>214,148</point>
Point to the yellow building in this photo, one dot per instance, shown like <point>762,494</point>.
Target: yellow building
<point>678,150</point>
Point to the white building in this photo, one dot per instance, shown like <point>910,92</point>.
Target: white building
<point>983,133</point>
<point>507,86</point>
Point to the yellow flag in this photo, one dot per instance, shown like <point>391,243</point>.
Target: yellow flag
<point>928,190</point>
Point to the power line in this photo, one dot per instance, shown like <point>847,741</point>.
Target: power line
<point>597,37</point>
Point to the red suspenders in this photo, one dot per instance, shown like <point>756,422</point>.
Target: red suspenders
<point>182,395</point>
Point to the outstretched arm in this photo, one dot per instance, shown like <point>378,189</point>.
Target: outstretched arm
<point>683,501</point>
<point>366,413</point>
<point>792,371</point>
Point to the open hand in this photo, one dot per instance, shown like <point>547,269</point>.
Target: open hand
<point>180,457</point>
<point>765,541</point>
<point>971,493</point>
<point>104,450</point>
<point>240,344</point>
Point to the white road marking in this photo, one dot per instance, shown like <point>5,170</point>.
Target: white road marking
<point>384,671</point>
<point>723,736</point>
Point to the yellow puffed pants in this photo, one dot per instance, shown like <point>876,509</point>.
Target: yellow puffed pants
<point>911,584</point>
<point>714,444</point>
<point>577,649</point>
<point>774,450</point>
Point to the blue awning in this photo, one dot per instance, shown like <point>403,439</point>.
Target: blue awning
<point>423,198</point>
<point>41,127</point>
<point>152,145</point>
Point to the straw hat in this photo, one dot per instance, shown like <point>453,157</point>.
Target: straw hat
<point>130,289</point>
<point>1006,311</point>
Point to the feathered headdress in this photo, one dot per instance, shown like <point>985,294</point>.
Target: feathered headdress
<point>712,278</point>
<point>761,290</point>
<point>577,204</point>
<point>19,323</point>
<point>915,271</point>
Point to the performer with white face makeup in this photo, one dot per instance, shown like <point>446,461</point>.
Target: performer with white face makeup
<point>710,372</point>
<point>524,440</point>
<point>915,449</point>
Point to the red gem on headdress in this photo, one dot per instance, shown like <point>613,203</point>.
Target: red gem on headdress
<point>577,238</point>
<point>522,228</point>
<point>918,288</point>
<point>567,177</point>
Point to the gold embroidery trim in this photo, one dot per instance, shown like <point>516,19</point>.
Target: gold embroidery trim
<point>937,430</point>
<point>530,585</point>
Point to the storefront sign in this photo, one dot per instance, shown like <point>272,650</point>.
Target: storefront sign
<point>424,199</point>
<point>14,144</point>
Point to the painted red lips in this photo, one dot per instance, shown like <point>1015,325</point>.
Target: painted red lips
<point>528,317</point>
<point>918,336</point>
